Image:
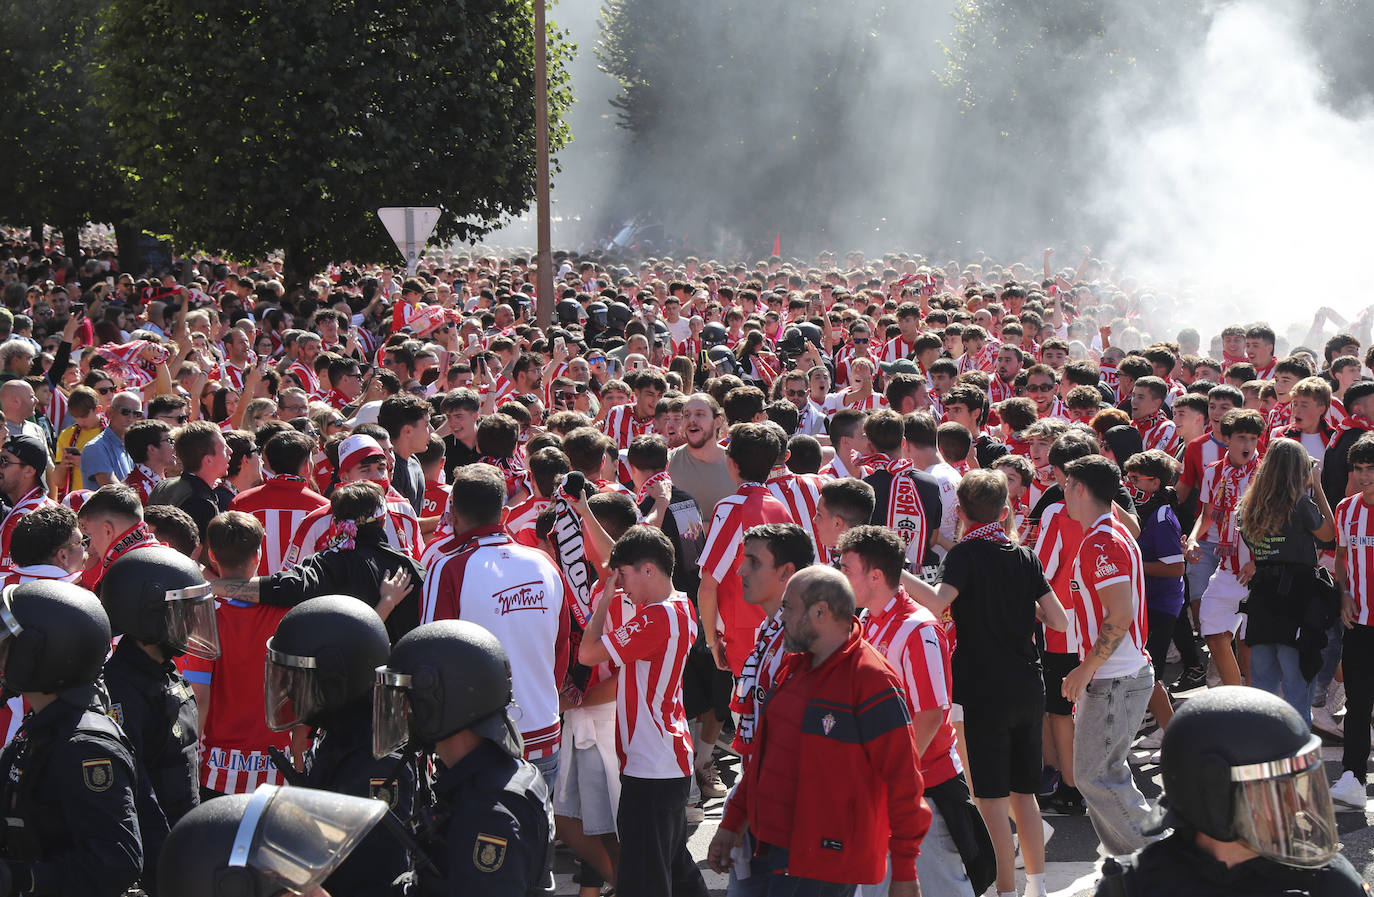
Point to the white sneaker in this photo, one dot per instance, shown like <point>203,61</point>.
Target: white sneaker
<point>1324,722</point>
<point>1146,758</point>
<point>1213,675</point>
<point>1173,656</point>
<point>1152,742</point>
<point>1335,697</point>
<point>1349,791</point>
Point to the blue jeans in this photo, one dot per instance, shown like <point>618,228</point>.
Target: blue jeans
<point>939,867</point>
<point>1331,657</point>
<point>768,878</point>
<point>548,768</point>
<point>1105,721</point>
<point>1274,668</point>
<point>1199,572</point>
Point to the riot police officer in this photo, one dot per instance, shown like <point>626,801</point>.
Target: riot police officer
<point>158,599</point>
<point>321,663</point>
<point>68,780</point>
<point>490,830</point>
<point>1249,805</point>
<point>277,840</point>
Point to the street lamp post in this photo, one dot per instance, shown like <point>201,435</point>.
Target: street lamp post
<point>544,257</point>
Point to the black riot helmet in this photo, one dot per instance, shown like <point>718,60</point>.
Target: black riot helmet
<point>714,334</point>
<point>158,596</point>
<point>569,312</point>
<point>54,635</point>
<point>724,359</point>
<point>619,314</point>
<point>1239,764</point>
<point>322,658</point>
<point>810,332</point>
<point>597,313</point>
<point>792,343</point>
<point>277,840</point>
<point>443,677</point>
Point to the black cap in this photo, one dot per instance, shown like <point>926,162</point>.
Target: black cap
<point>29,450</point>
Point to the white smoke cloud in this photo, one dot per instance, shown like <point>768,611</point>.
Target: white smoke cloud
<point>1249,194</point>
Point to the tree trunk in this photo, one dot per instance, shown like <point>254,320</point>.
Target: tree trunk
<point>126,239</point>
<point>36,233</point>
<point>298,266</point>
<point>71,242</point>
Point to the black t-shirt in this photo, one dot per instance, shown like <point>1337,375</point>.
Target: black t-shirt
<point>456,454</point>
<point>995,657</point>
<point>1293,544</point>
<point>989,450</point>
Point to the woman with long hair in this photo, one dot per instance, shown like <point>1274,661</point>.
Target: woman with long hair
<point>1281,517</point>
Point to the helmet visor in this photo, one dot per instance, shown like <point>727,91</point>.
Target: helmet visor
<point>191,627</point>
<point>390,712</point>
<point>293,838</point>
<point>291,689</point>
<point>1284,810</point>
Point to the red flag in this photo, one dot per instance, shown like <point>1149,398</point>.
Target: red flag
<point>777,244</point>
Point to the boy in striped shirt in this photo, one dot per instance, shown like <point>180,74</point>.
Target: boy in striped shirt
<point>652,738</point>
<point>1355,574</point>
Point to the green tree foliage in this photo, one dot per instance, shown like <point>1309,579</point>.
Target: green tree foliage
<point>57,149</point>
<point>251,125</point>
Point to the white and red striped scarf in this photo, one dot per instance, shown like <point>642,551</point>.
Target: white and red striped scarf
<point>660,477</point>
<point>1348,423</point>
<point>988,532</point>
<point>767,646</point>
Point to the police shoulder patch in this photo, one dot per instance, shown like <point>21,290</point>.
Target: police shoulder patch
<point>116,713</point>
<point>97,774</point>
<point>383,790</point>
<point>488,853</point>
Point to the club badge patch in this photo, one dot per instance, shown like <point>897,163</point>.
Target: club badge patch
<point>488,853</point>
<point>97,774</point>
<point>827,723</point>
<point>379,789</point>
<point>116,713</point>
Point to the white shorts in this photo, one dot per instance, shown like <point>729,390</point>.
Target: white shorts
<point>956,713</point>
<point>1219,610</point>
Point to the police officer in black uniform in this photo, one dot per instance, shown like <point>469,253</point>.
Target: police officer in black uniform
<point>277,840</point>
<point>1249,805</point>
<point>321,663</point>
<point>68,779</point>
<point>490,830</point>
<point>157,598</point>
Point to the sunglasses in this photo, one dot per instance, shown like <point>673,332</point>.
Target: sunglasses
<point>334,422</point>
<point>181,418</point>
<point>1039,387</point>
<point>104,390</point>
<point>566,396</point>
<point>860,341</point>
<point>129,412</point>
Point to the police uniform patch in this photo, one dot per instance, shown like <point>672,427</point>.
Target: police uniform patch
<point>116,713</point>
<point>97,774</point>
<point>383,790</point>
<point>488,853</point>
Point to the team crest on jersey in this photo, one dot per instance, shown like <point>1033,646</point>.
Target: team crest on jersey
<point>97,774</point>
<point>1105,567</point>
<point>116,713</point>
<point>488,853</point>
<point>828,723</point>
<point>383,790</point>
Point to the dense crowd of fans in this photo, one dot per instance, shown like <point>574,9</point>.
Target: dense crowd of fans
<point>1030,493</point>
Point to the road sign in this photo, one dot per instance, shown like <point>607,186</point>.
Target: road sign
<point>410,227</point>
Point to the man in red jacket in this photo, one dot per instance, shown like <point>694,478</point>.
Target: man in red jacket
<point>838,706</point>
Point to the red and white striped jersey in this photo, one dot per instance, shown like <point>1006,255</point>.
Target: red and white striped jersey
<point>1109,555</point>
<point>1281,415</point>
<point>1198,455</point>
<point>999,390</point>
<point>1355,534</point>
<point>845,399</point>
<point>406,522</point>
<point>281,504</point>
<point>651,735</point>
<point>231,375</point>
<point>311,532</point>
<point>1056,546</point>
<point>142,479</point>
<point>503,388</point>
<point>1266,373</point>
<point>435,502</point>
<point>799,493</point>
<point>13,576</point>
<point>913,643</point>
<point>518,594</point>
<point>306,374</point>
<point>233,755</point>
<point>736,620</point>
<point>622,425</point>
<point>1058,409</point>
<point>519,520</point>
<point>1157,432</point>
<point>1222,486</point>
<point>336,400</point>
<point>985,359</point>
<point>896,349</point>
<point>35,499</point>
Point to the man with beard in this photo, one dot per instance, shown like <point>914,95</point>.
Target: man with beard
<point>835,683</point>
<point>698,467</point>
